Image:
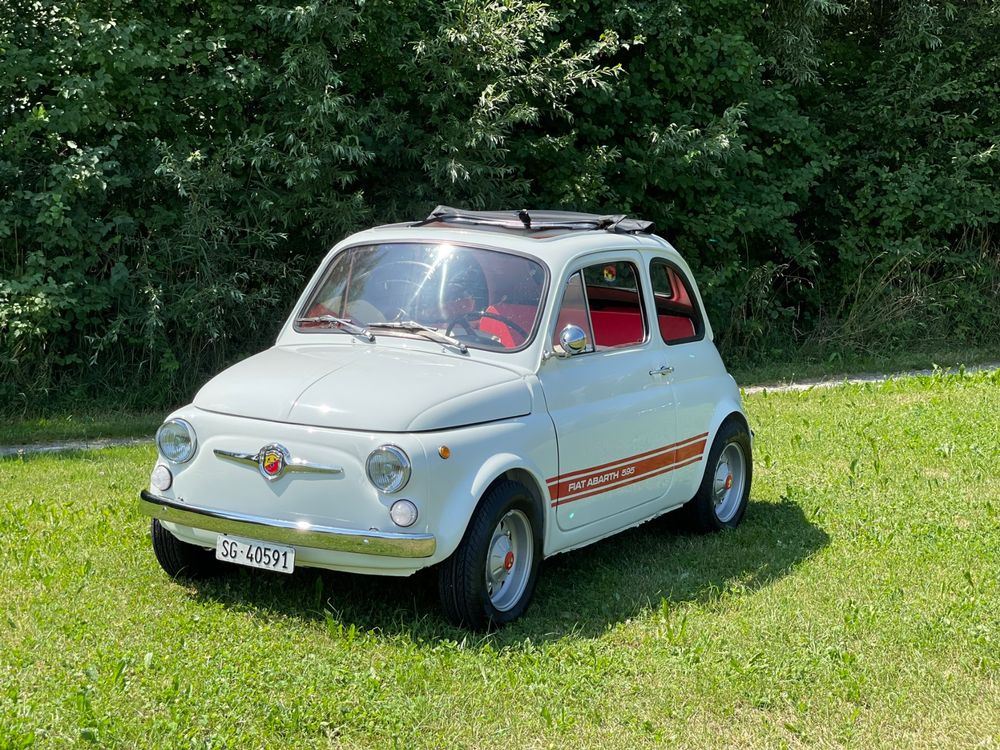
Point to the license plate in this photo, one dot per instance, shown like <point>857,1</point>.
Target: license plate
<point>255,554</point>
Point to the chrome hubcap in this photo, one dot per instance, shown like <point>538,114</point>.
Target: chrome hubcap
<point>508,562</point>
<point>728,482</point>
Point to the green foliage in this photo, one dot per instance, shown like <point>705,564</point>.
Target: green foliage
<point>169,176</point>
<point>912,224</point>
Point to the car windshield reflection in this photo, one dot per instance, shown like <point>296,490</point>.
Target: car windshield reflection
<point>485,299</point>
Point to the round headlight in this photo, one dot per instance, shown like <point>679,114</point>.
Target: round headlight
<point>176,440</point>
<point>388,468</point>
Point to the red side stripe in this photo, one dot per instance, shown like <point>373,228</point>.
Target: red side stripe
<point>625,460</point>
<point>672,467</point>
<point>627,474</point>
<point>624,472</point>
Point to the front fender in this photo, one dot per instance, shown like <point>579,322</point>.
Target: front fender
<point>500,464</point>
<point>479,456</point>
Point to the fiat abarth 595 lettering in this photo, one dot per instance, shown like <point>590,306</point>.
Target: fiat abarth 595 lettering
<point>476,392</point>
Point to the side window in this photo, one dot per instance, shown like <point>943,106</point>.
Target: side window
<point>676,314</point>
<point>574,310</point>
<point>606,301</point>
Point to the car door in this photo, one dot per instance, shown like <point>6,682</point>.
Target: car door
<point>613,410</point>
<point>694,367</point>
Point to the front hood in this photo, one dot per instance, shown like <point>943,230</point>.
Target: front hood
<point>375,388</point>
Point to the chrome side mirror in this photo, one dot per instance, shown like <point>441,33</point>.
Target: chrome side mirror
<point>573,339</point>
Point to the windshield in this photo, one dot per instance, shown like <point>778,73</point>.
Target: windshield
<point>485,299</point>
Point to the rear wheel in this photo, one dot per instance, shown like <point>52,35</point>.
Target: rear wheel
<point>721,499</point>
<point>180,559</point>
<point>490,578</point>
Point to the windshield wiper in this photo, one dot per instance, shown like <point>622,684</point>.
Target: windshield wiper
<point>347,325</point>
<point>412,326</point>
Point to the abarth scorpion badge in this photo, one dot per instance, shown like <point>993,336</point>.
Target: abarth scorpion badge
<point>272,460</point>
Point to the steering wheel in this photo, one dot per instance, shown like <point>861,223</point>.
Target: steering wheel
<point>465,320</point>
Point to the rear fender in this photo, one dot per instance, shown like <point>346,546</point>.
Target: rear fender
<point>725,409</point>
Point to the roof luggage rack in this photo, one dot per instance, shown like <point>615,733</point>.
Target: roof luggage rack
<point>538,221</point>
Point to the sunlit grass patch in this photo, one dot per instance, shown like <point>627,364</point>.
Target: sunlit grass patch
<point>858,605</point>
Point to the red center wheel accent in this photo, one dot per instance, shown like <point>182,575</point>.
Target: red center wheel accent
<point>508,561</point>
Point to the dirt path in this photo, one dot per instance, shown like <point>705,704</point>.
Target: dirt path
<point>69,445</point>
<point>79,445</point>
<point>857,379</point>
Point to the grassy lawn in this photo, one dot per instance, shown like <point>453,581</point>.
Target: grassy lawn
<point>105,420</point>
<point>858,605</point>
<point>99,424</point>
<point>798,367</point>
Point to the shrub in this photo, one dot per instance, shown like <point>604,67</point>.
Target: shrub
<point>169,175</point>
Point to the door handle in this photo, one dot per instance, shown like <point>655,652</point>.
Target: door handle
<point>664,370</point>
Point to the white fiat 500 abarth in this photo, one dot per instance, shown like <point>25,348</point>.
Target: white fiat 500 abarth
<point>476,391</point>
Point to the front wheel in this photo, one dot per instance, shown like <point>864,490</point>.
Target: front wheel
<point>180,559</point>
<point>721,499</point>
<point>490,578</point>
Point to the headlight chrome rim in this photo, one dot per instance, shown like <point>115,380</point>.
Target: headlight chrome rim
<point>387,453</point>
<point>184,455</point>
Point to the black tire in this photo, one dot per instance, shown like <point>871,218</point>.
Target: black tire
<point>180,559</point>
<point>462,578</point>
<point>701,513</point>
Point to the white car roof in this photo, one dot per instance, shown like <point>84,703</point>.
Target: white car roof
<point>554,247</point>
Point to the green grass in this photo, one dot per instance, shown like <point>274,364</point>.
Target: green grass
<point>858,605</point>
<point>90,426</point>
<point>108,421</point>
<point>799,365</point>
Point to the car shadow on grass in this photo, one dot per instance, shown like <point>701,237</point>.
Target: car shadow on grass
<point>580,593</point>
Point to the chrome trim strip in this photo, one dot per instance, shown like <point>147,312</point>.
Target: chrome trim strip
<point>293,464</point>
<point>299,464</point>
<point>303,534</point>
<point>248,458</point>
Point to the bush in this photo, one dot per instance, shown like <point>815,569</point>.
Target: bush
<point>169,177</point>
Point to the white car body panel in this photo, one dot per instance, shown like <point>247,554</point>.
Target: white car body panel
<point>331,397</point>
<point>343,385</point>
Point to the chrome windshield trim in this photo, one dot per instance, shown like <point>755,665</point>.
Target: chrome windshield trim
<point>300,533</point>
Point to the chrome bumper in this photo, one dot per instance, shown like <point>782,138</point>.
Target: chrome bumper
<point>383,543</point>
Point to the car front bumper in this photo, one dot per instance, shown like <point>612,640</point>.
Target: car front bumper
<point>303,534</point>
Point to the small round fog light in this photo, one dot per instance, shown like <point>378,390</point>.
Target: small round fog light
<point>161,478</point>
<point>403,513</point>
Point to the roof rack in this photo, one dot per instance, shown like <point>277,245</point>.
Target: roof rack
<point>539,221</point>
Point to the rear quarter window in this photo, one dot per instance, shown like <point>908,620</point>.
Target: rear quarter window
<point>677,315</point>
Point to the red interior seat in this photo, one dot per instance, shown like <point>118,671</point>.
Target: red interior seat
<point>675,327</point>
<point>523,315</point>
<point>616,328</point>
